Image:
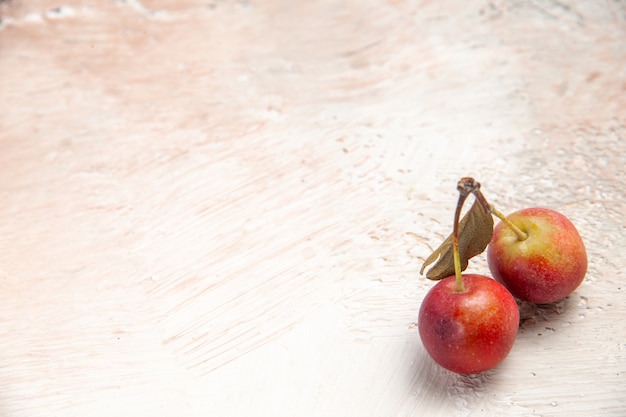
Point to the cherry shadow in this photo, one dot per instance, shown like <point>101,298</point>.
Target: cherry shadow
<point>432,384</point>
<point>431,381</point>
<point>544,319</point>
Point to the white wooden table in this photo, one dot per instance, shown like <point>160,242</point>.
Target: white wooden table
<point>219,208</point>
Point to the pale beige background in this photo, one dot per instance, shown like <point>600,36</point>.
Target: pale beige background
<point>219,208</point>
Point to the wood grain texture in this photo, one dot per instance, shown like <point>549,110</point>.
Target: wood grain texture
<point>220,208</point>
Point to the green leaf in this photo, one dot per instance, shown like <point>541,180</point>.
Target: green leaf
<point>475,232</point>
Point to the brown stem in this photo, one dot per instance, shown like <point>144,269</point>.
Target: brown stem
<point>465,186</point>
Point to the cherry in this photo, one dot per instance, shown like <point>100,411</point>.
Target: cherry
<point>538,255</point>
<point>468,323</point>
<point>468,331</point>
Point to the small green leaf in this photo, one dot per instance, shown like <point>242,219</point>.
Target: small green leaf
<point>475,232</point>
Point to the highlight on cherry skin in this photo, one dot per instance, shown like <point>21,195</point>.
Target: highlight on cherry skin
<point>544,263</point>
<point>468,331</point>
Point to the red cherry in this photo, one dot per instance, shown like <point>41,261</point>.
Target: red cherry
<point>547,264</point>
<point>468,331</point>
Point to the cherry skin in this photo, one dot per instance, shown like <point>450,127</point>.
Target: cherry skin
<point>470,331</point>
<point>546,266</point>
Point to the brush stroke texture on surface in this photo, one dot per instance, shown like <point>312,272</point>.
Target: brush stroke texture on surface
<point>221,208</point>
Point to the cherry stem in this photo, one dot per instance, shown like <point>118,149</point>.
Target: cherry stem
<point>521,235</point>
<point>465,186</point>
